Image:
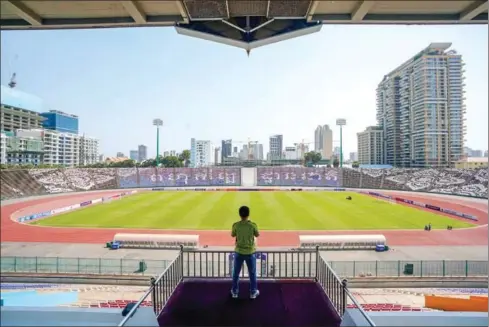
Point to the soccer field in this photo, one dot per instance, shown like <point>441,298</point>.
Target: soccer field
<point>270,210</point>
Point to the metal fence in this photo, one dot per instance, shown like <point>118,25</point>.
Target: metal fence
<point>271,264</point>
<point>274,264</point>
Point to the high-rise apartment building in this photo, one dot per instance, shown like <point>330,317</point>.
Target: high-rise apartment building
<point>119,155</point>
<point>353,156</point>
<point>3,148</point>
<point>60,148</point>
<point>142,153</point>
<point>370,145</point>
<point>217,155</point>
<point>226,149</point>
<point>134,155</point>
<point>420,107</point>
<point>323,141</point>
<point>276,146</point>
<point>89,147</point>
<point>200,153</point>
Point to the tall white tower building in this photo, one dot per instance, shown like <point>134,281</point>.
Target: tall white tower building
<point>420,107</point>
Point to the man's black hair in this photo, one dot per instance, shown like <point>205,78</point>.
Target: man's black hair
<point>244,212</point>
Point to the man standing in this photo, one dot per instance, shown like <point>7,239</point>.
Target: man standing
<point>245,232</point>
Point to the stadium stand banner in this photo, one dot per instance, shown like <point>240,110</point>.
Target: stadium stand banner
<point>67,208</point>
<point>424,205</point>
<point>86,203</point>
<point>60,210</point>
<point>432,207</point>
<point>298,176</point>
<point>34,216</point>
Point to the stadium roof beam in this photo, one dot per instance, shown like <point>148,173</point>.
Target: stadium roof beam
<point>183,11</point>
<point>311,10</point>
<point>24,12</point>
<point>361,10</point>
<point>134,9</point>
<point>474,10</point>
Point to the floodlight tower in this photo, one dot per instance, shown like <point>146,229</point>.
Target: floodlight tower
<point>341,122</point>
<point>158,123</point>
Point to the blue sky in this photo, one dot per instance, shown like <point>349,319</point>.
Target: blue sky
<point>118,80</point>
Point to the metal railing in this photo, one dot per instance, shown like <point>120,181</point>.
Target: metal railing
<point>337,289</point>
<point>270,265</point>
<point>161,288</point>
<point>197,263</point>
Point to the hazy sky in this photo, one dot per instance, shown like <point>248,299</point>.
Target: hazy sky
<point>118,80</point>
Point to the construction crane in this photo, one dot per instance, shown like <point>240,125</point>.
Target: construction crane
<point>302,146</point>
<point>249,143</point>
<point>13,80</point>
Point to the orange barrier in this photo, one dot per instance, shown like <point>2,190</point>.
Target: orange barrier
<point>473,304</point>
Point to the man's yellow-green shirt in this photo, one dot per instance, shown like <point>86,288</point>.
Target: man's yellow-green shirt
<point>245,232</point>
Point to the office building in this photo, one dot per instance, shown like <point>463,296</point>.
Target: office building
<point>3,148</point>
<point>468,152</point>
<point>370,146</point>
<point>301,150</point>
<point>290,153</point>
<point>142,153</point>
<point>420,107</point>
<point>134,155</point>
<point>323,141</point>
<point>276,146</point>
<point>336,152</point>
<point>200,153</point>
<point>171,153</point>
<point>226,149</point>
<point>353,156</point>
<point>60,121</point>
<point>120,155</point>
<point>255,151</point>
<point>217,156</point>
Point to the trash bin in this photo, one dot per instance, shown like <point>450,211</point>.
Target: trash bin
<point>408,269</point>
<point>142,266</point>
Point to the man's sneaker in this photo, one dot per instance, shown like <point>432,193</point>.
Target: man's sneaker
<point>234,295</point>
<point>255,294</point>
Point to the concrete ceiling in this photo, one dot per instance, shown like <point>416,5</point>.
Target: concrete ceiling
<point>242,23</point>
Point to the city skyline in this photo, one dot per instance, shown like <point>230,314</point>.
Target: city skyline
<point>277,99</point>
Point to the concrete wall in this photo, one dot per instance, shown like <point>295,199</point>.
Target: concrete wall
<point>59,316</point>
<point>353,317</point>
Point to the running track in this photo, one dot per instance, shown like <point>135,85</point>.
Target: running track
<point>12,231</point>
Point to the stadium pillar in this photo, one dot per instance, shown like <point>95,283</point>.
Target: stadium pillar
<point>157,146</point>
<point>341,146</point>
<point>341,122</point>
<point>158,123</point>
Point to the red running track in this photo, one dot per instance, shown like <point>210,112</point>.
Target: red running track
<point>12,231</point>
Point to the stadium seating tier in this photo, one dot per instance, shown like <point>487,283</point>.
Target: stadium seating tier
<point>21,183</point>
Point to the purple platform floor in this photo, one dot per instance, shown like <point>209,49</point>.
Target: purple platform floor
<point>281,303</point>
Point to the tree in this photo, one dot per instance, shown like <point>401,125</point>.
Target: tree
<point>355,164</point>
<point>171,162</point>
<point>312,157</point>
<point>185,157</point>
<point>336,162</point>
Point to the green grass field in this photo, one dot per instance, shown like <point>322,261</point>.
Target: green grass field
<point>271,210</point>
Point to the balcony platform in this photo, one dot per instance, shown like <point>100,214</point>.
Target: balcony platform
<point>207,302</point>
